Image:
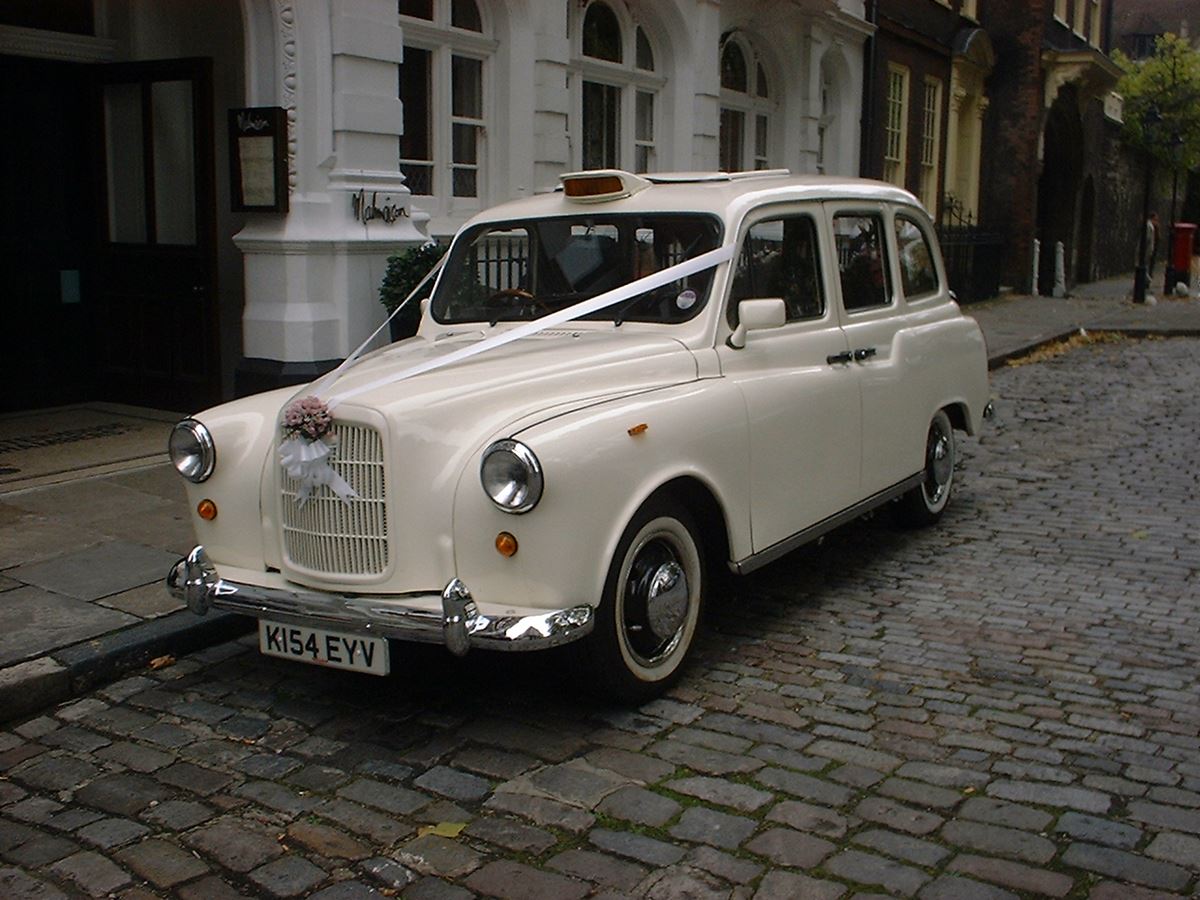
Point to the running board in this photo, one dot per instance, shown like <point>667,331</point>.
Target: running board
<point>800,538</point>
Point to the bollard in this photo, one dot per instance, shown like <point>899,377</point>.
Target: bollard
<point>1037,258</point>
<point>1060,270</point>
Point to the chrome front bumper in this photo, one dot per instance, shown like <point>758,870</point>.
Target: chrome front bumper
<point>459,624</point>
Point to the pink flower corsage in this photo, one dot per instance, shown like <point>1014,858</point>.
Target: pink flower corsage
<point>307,418</point>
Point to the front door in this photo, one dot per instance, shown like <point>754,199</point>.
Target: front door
<point>155,325</point>
<point>802,404</point>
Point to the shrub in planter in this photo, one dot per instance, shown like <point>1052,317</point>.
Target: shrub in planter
<point>404,271</point>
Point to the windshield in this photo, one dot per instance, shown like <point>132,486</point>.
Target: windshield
<point>515,271</point>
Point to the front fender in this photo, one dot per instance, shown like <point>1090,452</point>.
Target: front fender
<point>243,432</point>
<point>597,474</point>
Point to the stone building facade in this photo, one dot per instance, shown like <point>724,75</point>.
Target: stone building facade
<point>402,118</point>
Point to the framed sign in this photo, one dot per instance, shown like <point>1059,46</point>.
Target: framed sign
<point>258,159</point>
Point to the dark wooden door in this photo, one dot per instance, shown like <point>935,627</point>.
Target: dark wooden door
<point>155,310</point>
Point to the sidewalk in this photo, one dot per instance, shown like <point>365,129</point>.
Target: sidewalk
<point>92,514</point>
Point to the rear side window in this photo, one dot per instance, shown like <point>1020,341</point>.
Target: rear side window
<point>780,258</point>
<point>862,260</point>
<point>918,274</point>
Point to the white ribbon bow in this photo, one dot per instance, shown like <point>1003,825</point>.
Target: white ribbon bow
<point>308,463</point>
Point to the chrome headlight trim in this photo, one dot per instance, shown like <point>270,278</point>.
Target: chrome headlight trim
<point>511,476</point>
<point>192,450</point>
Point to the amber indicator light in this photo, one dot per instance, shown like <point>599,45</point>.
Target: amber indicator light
<point>206,510</point>
<point>506,544</point>
<point>638,429</point>
<point>593,187</point>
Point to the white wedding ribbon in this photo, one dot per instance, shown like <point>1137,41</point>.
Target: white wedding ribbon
<point>308,462</point>
<point>696,264</point>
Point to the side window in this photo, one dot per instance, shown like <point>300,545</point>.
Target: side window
<point>862,260</point>
<point>780,258</point>
<point>918,274</point>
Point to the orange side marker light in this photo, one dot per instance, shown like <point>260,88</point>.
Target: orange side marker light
<point>506,544</point>
<point>207,510</point>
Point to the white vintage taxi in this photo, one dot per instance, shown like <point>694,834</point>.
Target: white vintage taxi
<point>616,389</point>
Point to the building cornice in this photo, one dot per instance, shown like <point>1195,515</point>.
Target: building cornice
<point>56,45</point>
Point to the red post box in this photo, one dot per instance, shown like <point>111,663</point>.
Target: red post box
<point>1179,255</point>
<point>1183,241</point>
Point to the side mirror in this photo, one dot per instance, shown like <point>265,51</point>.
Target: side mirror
<point>757,315</point>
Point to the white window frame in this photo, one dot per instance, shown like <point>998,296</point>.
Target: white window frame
<point>751,106</point>
<point>895,125</point>
<point>1060,10</point>
<point>931,143</point>
<point>627,78</point>
<point>444,42</point>
<point>1094,22</point>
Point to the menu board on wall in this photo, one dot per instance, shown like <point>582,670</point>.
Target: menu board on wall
<point>258,159</point>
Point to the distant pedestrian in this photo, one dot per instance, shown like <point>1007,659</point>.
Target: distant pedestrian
<point>1151,244</point>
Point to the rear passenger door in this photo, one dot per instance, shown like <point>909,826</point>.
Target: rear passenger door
<point>803,410</point>
<point>875,319</point>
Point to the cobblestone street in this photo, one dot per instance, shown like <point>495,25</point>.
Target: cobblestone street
<point>1006,705</point>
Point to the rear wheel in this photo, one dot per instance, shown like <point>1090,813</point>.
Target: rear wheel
<point>648,616</point>
<point>924,504</point>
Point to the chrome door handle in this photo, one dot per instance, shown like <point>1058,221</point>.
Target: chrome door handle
<point>864,353</point>
<point>844,357</point>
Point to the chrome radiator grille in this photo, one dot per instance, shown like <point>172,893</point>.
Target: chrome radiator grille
<point>329,535</point>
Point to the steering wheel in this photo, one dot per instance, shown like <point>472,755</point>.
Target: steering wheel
<point>531,302</point>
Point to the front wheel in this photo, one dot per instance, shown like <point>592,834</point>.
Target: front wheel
<point>650,609</point>
<point>924,504</point>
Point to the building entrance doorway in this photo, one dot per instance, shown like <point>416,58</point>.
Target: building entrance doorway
<point>154,308</point>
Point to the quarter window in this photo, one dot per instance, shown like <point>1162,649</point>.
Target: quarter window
<point>780,258</point>
<point>918,274</point>
<point>862,260</point>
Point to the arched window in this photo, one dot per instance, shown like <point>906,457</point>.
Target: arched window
<point>616,94</point>
<point>442,81</point>
<point>745,107</point>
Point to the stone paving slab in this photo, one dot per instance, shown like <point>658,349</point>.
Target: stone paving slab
<point>1006,705</point>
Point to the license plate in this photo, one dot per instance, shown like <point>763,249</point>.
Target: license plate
<point>324,648</point>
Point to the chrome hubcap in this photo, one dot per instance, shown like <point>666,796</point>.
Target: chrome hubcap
<point>939,466</point>
<point>657,601</point>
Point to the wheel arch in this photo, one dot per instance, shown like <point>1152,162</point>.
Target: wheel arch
<point>705,509</point>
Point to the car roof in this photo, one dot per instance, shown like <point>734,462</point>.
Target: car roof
<point>724,194</point>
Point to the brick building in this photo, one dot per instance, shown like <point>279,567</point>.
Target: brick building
<point>1055,169</point>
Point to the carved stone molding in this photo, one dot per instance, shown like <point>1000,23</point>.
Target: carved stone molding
<point>286,12</point>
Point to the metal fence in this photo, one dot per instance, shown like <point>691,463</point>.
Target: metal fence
<point>974,257</point>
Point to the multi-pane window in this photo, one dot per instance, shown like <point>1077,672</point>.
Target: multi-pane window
<point>442,82</point>
<point>895,130</point>
<point>826,118</point>
<point>618,87</point>
<point>931,143</point>
<point>744,141</point>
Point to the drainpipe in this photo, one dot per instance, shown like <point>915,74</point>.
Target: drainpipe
<point>867,122</point>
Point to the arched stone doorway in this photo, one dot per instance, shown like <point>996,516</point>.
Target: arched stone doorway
<point>1058,186</point>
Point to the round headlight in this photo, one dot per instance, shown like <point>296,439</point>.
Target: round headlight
<point>511,476</point>
<point>192,451</point>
